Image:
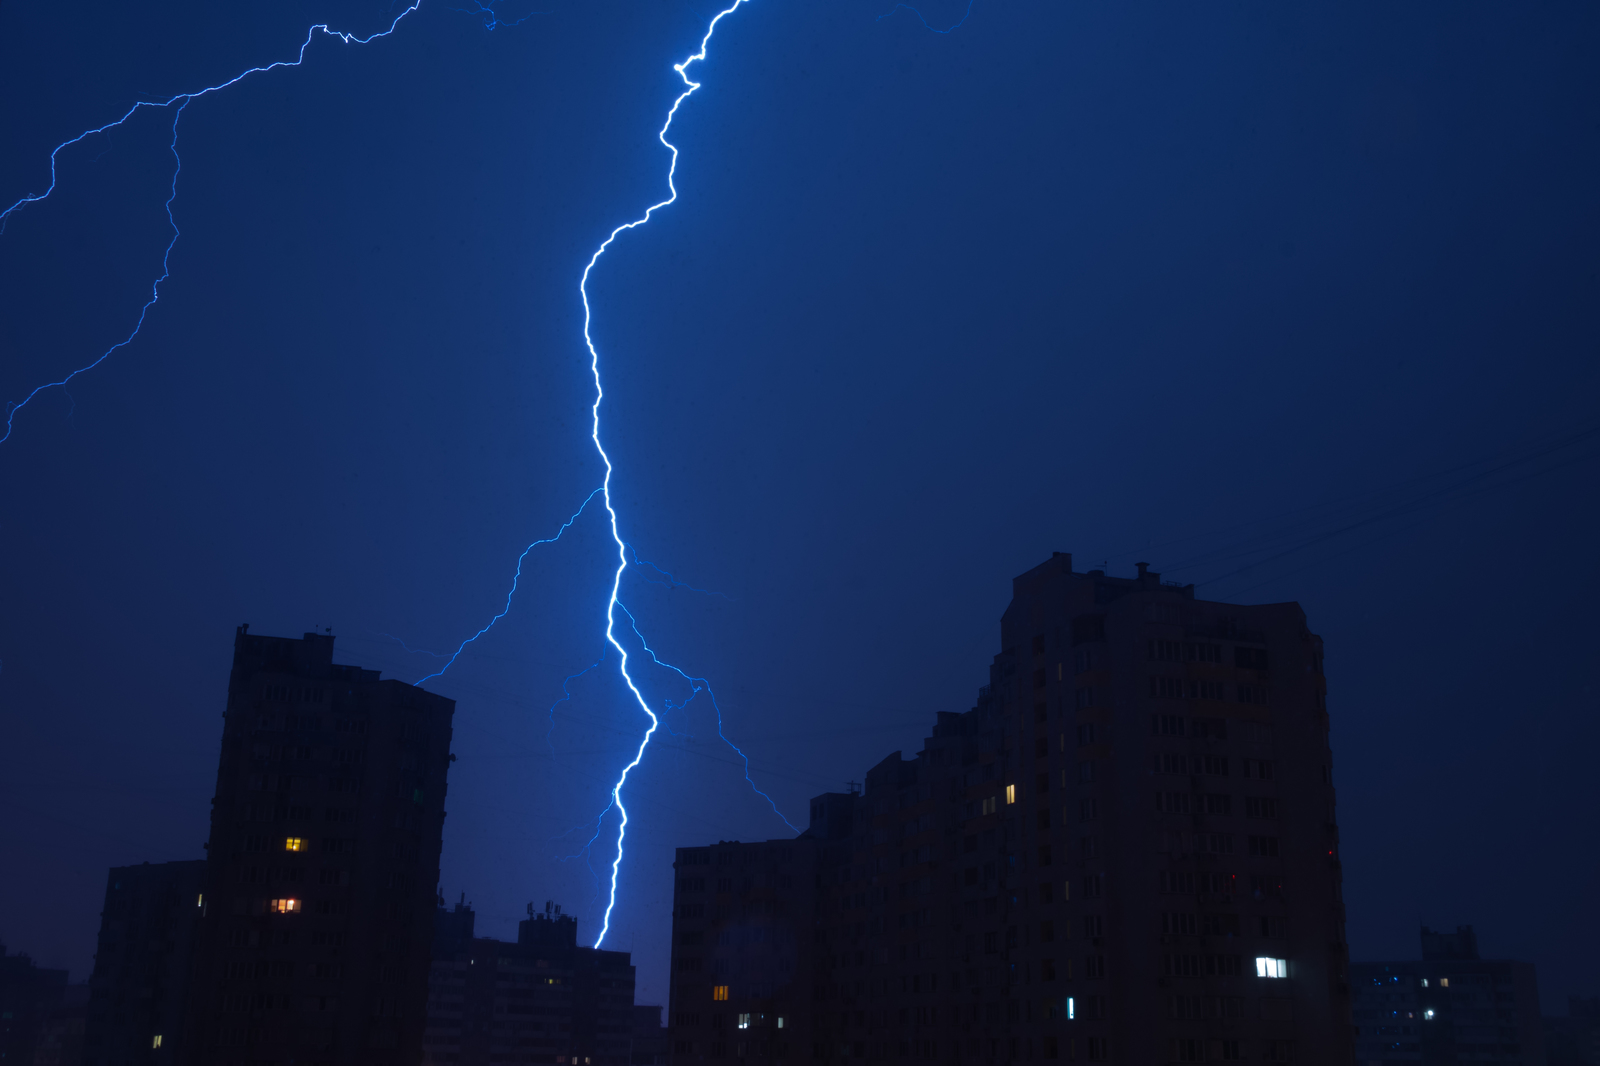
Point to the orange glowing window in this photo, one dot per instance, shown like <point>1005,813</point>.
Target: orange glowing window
<point>719,992</point>
<point>284,906</point>
<point>294,844</point>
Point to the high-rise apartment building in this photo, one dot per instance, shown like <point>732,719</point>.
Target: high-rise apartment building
<point>1451,1007</point>
<point>1126,852</point>
<point>322,866</point>
<point>140,984</point>
<point>542,999</point>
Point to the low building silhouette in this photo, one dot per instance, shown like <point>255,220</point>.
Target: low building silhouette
<point>1449,1007</point>
<point>29,996</point>
<point>140,983</point>
<point>542,999</point>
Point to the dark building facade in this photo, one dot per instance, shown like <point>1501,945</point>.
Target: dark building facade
<point>542,999</point>
<point>321,872</point>
<point>1126,852</point>
<point>140,982</point>
<point>1452,1007</point>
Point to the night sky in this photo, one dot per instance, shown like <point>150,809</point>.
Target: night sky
<point>1297,302</point>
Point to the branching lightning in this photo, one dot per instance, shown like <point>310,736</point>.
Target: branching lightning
<point>485,8</point>
<point>180,101</point>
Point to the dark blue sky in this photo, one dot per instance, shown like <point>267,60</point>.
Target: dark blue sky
<point>1295,303</point>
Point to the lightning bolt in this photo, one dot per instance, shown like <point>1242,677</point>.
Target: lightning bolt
<point>180,101</point>
<point>612,604</point>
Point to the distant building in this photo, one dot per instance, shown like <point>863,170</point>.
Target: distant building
<point>1575,1039</point>
<point>649,1046</point>
<point>542,999</point>
<point>60,1038</point>
<point>1451,1007</point>
<point>29,996</point>
<point>140,982</point>
<point>1126,852</point>
<point>323,862</point>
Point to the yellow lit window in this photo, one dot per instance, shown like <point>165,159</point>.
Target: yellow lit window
<point>719,992</point>
<point>294,844</point>
<point>155,1041</point>
<point>1011,793</point>
<point>284,906</point>
<point>1444,982</point>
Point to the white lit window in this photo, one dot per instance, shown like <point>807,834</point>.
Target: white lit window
<point>1424,982</point>
<point>744,1021</point>
<point>1272,967</point>
<point>155,1041</point>
<point>1428,1014</point>
<point>1011,793</point>
<point>780,1021</point>
<point>1071,1009</point>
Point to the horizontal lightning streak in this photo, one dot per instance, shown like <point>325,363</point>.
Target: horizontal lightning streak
<point>182,100</point>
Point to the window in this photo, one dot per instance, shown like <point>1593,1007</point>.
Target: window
<point>1261,769</point>
<point>1176,883</point>
<point>1038,679</point>
<point>1266,847</point>
<point>155,1041</point>
<point>1178,923</point>
<point>1093,925</point>
<point>1203,653</point>
<point>1172,802</point>
<point>1093,886</point>
<point>744,1021</point>
<point>1205,690</point>
<point>1274,927</point>
<point>1253,694</point>
<point>1041,747</point>
<point>1099,1048</point>
<point>1260,807</point>
<point>1090,847</point>
<point>1085,735</point>
<point>1168,763</point>
<point>1219,804</point>
<point>1044,854</point>
<point>1168,651</point>
<point>1086,771</point>
<point>1094,967</point>
<point>988,805</point>
<point>1011,794</point>
<point>1250,658</point>
<point>719,992</point>
<point>1088,810</point>
<point>1215,765</point>
<point>294,844</point>
<point>1275,968</point>
<point>1166,688</point>
<point>1047,932</point>
<point>1222,966</point>
<point>284,906</point>
<point>1210,729</point>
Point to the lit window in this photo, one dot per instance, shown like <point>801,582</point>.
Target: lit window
<point>988,805</point>
<point>155,1041</point>
<point>200,900</point>
<point>1444,982</point>
<point>1011,793</point>
<point>744,1021</point>
<point>1428,1014</point>
<point>780,1021</point>
<point>719,992</point>
<point>294,844</point>
<point>1071,1009</point>
<point>1272,967</point>
<point>284,906</point>
<point>1424,982</point>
